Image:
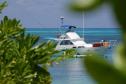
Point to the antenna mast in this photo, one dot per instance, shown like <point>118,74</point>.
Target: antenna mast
<point>83,23</point>
<point>62,23</point>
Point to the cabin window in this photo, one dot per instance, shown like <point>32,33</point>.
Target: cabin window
<point>66,42</point>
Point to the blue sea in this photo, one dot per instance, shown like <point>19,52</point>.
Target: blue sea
<point>72,71</point>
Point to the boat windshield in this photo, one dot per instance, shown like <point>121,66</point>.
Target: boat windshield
<point>66,42</point>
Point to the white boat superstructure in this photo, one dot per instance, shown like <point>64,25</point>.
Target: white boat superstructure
<point>70,39</point>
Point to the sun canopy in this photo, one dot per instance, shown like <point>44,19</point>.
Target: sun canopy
<point>68,26</point>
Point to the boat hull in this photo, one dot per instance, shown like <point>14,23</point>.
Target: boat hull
<point>100,50</point>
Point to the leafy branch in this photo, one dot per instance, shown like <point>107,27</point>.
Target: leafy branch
<point>2,6</point>
<point>22,59</point>
<point>98,68</point>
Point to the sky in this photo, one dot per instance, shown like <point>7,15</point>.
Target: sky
<point>46,14</point>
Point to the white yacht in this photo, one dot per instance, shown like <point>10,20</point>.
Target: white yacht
<point>70,39</point>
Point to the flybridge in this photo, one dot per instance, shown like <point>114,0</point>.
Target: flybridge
<point>68,26</point>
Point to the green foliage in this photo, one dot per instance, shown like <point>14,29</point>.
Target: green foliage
<point>84,5</point>
<point>102,71</point>
<point>2,6</point>
<point>9,28</point>
<point>98,68</point>
<point>22,59</point>
<point>120,12</point>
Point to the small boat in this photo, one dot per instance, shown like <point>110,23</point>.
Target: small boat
<point>71,40</point>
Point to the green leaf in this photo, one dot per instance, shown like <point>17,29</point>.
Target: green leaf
<point>30,76</point>
<point>120,14</point>
<point>84,5</point>
<point>2,6</point>
<point>102,71</point>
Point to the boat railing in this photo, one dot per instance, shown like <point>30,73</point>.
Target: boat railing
<point>112,42</point>
<point>78,39</point>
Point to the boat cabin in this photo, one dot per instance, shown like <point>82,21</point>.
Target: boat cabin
<point>71,40</point>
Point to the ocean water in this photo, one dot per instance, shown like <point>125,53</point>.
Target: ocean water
<point>72,71</point>
<point>89,33</point>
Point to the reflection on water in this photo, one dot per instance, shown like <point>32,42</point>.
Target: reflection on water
<point>70,72</point>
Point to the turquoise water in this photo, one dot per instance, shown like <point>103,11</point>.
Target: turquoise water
<point>89,33</point>
<point>72,71</point>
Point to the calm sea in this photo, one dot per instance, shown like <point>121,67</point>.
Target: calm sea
<point>72,71</point>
